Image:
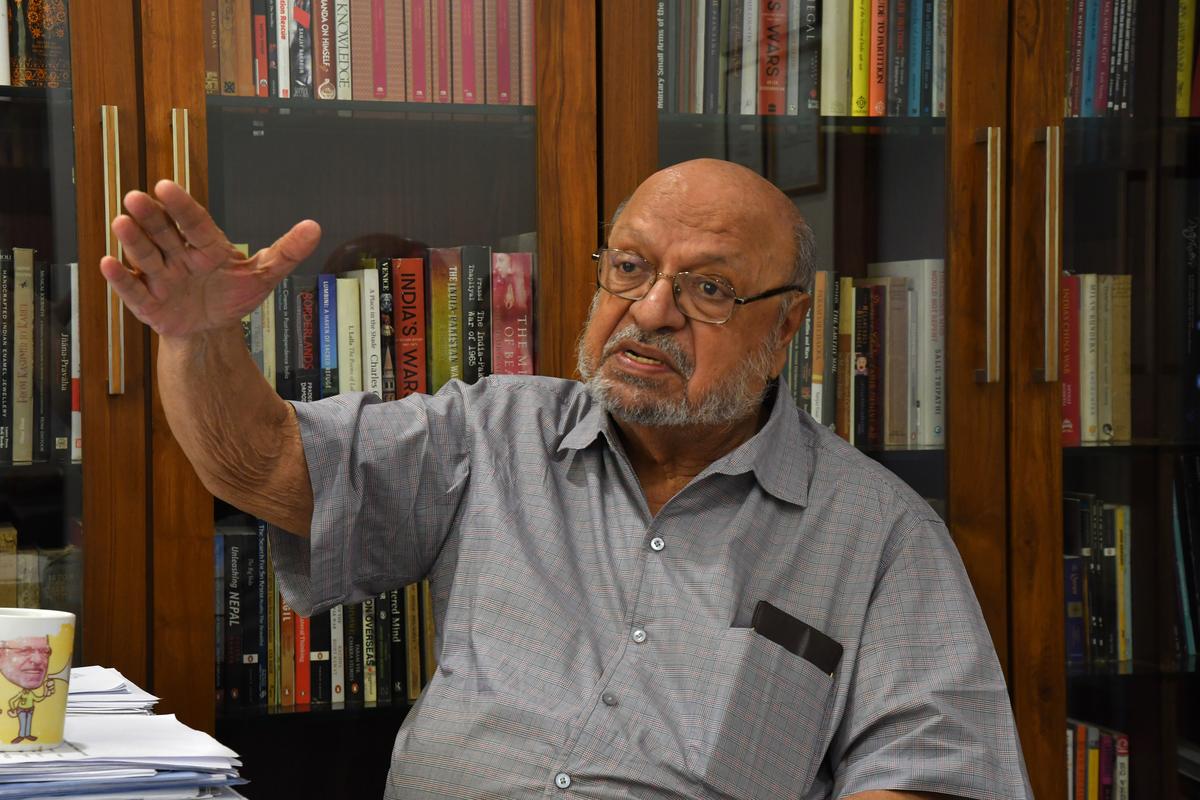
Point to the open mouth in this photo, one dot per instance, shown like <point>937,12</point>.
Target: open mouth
<point>641,359</point>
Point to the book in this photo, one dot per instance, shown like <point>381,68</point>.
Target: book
<point>320,651</point>
<point>287,655</point>
<point>445,316</point>
<point>428,633</point>
<point>396,644</point>
<point>1120,353</point>
<point>300,44</point>
<point>440,37</point>
<point>303,670</point>
<point>1124,581</point>
<point>502,72</point>
<point>393,45</point>
<point>477,312</point>
<point>877,66</point>
<point>43,359</point>
<point>212,46</point>
<point>836,17</point>
<point>412,639</point>
<point>772,57</point>
<point>383,650</point>
<point>467,51</point>
<point>1104,362</point>
<point>512,313</point>
<point>369,319</point>
<point>1069,362</point>
<point>860,58</point>
<point>327,327</point>
<point>337,655</point>
<point>23,354</point>
<point>353,623</point>
<point>418,67</point>
<point>243,48</point>
<point>342,45</point>
<point>1184,44</point>
<point>409,300</point>
<point>283,56</point>
<point>370,693</point>
<point>1076,645</point>
<point>387,329</point>
<point>861,384</point>
<point>76,389</point>
<point>349,336</point>
<point>39,44</point>
<point>324,59</point>
<point>1089,349</point>
<point>8,565</point>
<point>748,91</point>
<point>528,54</point>
<point>285,328</point>
<point>895,393</point>
<point>258,33</point>
<point>928,308</point>
<point>6,355</point>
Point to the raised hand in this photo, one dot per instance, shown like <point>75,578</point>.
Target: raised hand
<point>187,278</point>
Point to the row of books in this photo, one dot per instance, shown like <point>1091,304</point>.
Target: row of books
<point>1097,762</point>
<point>1185,536</point>
<point>870,58</point>
<point>35,44</point>
<point>393,327</point>
<point>1098,585</point>
<point>869,360</point>
<point>38,577</point>
<point>1101,57</point>
<point>1187,60</point>
<point>1094,330</point>
<point>416,51</point>
<point>40,412</point>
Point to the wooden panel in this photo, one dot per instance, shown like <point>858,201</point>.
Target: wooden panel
<point>1037,673</point>
<point>975,419</point>
<point>629,100</point>
<point>114,427</point>
<point>182,510</point>
<point>568,209</point>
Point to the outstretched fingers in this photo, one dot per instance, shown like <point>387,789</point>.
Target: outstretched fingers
<point>158,231</point>
<point>290,249</point>
<point>194,223</point>
<point>126,284</point>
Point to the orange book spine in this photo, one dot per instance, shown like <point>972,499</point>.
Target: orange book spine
<point>878,65</point>
<point>772,57</point>
<point>361,38</point>
<point>243,44</point>
<point>408,303</point>
<point>527,59</point>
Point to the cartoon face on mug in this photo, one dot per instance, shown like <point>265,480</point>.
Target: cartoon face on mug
<point>25,661</point>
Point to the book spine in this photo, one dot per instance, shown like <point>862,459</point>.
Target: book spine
<point>369,319</point>
<point>1184,43</point>
<point>219,603</point>
<point>445,316</point>
<point>1124,596</point>
<point>285,333</point>
<point>711,38</point>
<point>810,56</point>
<point>528,58</point>
<point>844,426</point>
<point>303,671</point>
<point>397,65</point>
<point>512,313</point>
<point>860,58</point>
<point>750,54</point>
<point>876,334</point>
<point>235,591</point>
<point>698,47</point>
<point>660,54</point>
<point>328,331</point>
<point>342,51</point>
<point>272,46</point>
<point>362,40</point>
<point>416,52</point>
<point>212,46</point>
<point>259,41</point>
<point>227,22</point>
<point>1104,53</point>
<point>379,53</point>
<point>508,51</point>
<point>927,59</point>
<point>820,318</point>
<point>897,93</point>
<point>287,655</point>
<point>862,367</point>
<point>772,57</point>
<point>443,91</point>
<point>467,51</point>
<point>324,51</point>
<point>319,658</point>
<point>895,367</point>
<point>301,43</point>
<point>337,655</point>
<point>283,52</point>
<point>1076,645</point>
<point>836,20</point>
<point>1091,41</point>
<point>1121,356</point>
<point>878,64</point>
<point>671,55</point>
<point>428,633</point>
<point>387,330</point>
<point>1089,348</point>
<point>1069,360</point>
<point>43,360</point>
<point>412,639</point>
<point>262,632</point>
<point>6,356</point>
<point>411,362</point>
<point>352,619</point>
<point>61,344</point>
<point>396,644</point>
<point>307,339</point>
<point>269,339</point>
<point>383,650</point>
<point>916,42</point>
<point>832,354</point>
<point>349,336</point>
<point>793,80</point>
<point>22,375</point>
<point>941,33</point>
<point>1121,768</point>
<point>76,396</point>
<point>370,692</point>
<point>477,293</point>
<point>1182,571</point>
<point>243,48</point>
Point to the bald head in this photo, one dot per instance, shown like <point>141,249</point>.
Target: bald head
<point>726,198</point>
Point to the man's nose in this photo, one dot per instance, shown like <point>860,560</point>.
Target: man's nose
<point>657,310</point>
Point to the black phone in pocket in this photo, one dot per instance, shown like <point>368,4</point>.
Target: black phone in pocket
<point>796,636</point>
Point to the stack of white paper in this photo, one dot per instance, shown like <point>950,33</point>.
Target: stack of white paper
<point>104,690</point>
<point>122,755</point>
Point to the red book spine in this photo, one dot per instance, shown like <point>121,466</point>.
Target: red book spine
<point>772,57</point>
<point>1069,360</point>
<point>878,65</point>
<point>442,92</point>
<point>303,694</point>
<point>528,54</point>
<point>378,50</point>
<point>466,42</point>
<point>416,37</point>
<point>260,52</point>
<point>512,314</point>
<point>362,38</point>
<point>408,302</point>
<point>503,44</point>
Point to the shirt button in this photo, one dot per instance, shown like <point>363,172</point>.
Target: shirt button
<point>562,780</point>
<point>657,544</point>
<point>609,699</point>
<point>639,635</point>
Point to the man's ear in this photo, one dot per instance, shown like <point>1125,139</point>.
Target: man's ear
<point>791,324</point>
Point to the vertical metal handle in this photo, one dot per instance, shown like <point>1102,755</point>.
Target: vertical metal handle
<point>181,166</point>
<point>1052,266</point>
<point>111,141</point>
<point>994,256</point>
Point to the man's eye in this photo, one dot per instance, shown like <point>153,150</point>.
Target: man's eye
<point>710,289</point>
<point>628,267</point>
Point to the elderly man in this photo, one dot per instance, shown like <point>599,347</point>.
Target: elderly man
<point>663,582</point>
<point>24,662</point>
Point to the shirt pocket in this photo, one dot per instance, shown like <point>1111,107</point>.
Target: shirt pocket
<point>762,719</point>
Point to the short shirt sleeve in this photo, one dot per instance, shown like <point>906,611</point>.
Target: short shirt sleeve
<point>387,480</point>
<point>927,709</point>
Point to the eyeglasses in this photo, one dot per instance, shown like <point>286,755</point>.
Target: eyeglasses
<point>27,652</point>
<point>704,298</point>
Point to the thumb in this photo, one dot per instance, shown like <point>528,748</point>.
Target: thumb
<point>290,249</point>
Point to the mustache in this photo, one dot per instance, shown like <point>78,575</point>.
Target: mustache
<point>664,343</point>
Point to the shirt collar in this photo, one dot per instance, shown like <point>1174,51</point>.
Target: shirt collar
<point>780,454</point>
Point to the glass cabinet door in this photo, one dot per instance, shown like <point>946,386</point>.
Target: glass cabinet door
<point>1129,349</point>
<point>41,479</point>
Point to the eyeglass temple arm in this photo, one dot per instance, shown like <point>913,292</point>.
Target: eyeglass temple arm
<point>741,301</point>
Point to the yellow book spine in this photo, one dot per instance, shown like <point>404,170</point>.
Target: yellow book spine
<point>1183,57</point>
<point>860,59</point>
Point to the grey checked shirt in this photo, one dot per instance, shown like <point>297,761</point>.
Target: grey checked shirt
<point>590,650</point>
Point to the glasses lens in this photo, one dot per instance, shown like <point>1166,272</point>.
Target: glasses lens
<point>624,273</point>
<point>705,298</point>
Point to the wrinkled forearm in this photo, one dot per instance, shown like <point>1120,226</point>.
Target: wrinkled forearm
<point>242,439</point>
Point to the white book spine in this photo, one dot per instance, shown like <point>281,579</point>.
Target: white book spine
<point>76,407</point>
<point>268,338</point>
<point>341,28</point>
<point>283,60</point>
<point>372,347</point>
<point>749,102</point>
<point>793,58</point>
<point>337,655</point>
<point>913,374</point>
<point>698,50</point>
<point>1089,335</point>
<point>22,394</point>
<point>349,336</point>
<point>1104,349</point>
<point>835,58</point>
